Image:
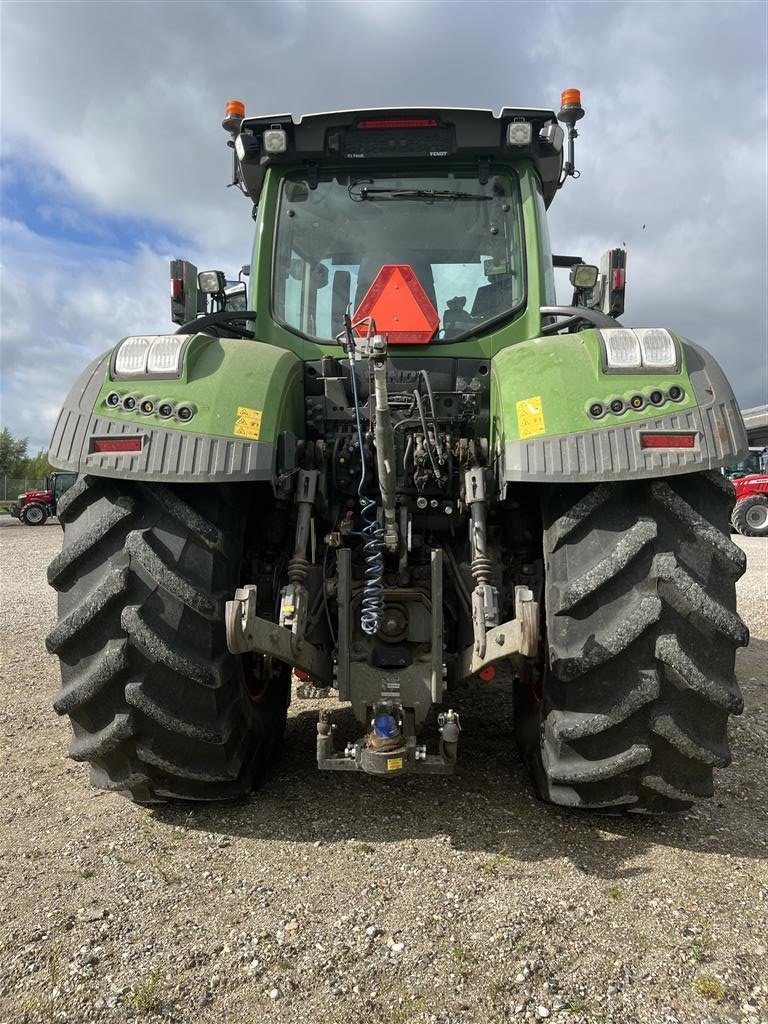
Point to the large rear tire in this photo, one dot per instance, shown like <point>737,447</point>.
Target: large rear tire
<point>642,632</point>
<point>159,707</point>
<point>34,515</point>
<point>750,517</point>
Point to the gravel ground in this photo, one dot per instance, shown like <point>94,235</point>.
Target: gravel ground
<point>340,898</point>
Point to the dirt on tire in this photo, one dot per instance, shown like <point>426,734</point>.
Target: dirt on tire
<point>159,708</point>
<point>642,630</point>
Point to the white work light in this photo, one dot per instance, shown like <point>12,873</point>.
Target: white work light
<point>131,358</point>
<point>159,356</point>
<point>622,349</point>
<point>642,348</point>
<point>657,347</point>
<point>275,140</point>
<point>164,354</point>
<point>519,133</point>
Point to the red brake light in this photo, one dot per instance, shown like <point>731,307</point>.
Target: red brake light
<point>301,675</point>
<point>400,307</point>
<point>487,674</point>
<point>398,122</point>
<point>116,444</point>
<point>667,440</point>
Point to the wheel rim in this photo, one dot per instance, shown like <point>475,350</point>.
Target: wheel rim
<point>34,515</point>
<point>757,517</point>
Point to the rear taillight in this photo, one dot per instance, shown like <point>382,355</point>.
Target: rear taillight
<point>116,444</point>
<point>667,440</point>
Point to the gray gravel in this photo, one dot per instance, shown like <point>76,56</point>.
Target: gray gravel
<point>346,899</point>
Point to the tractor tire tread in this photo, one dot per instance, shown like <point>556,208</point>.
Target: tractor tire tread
<point>642,634</point>
<point>158,706</point>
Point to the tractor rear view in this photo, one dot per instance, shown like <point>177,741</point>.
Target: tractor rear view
<point>393,463</point>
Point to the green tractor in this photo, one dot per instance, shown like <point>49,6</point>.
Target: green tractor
<point>395,464</point>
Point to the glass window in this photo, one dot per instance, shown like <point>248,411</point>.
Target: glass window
<point>463,241</point>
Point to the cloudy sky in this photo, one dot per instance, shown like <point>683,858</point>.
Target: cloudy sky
<point>114,161</point>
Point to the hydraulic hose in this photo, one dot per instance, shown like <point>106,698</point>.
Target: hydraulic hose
<point>372,606</point>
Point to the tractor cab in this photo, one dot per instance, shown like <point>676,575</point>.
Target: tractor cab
<point>430,222</point>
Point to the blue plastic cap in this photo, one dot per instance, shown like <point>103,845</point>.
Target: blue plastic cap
<point>385,726</point>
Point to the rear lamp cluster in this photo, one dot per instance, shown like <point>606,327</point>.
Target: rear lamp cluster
<point>638,350</point>
<point>636,402</point>
<point>164,409</point>
<point>154,356</point>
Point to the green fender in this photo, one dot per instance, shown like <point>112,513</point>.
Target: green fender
<point>246,400</point>
<point>544,393</point>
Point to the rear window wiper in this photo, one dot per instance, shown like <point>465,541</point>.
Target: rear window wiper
<point>429,194</point>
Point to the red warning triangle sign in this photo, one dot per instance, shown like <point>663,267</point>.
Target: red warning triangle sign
<point>400,307</point>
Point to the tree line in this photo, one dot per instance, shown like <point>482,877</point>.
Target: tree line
<point>15,460</point>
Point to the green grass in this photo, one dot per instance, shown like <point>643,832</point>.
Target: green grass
<point>408,1011</point>
<point>700,952</point>
<point>462,959</point>
<point>147,997</point>
<point>615,893</point>
<point>708,986</point>
<point>499,860</point>
<point>577,1005</point>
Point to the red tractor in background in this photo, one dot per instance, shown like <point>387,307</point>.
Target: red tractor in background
<point>35,507</point>
<point>750,480</point>
<point>750,515</point>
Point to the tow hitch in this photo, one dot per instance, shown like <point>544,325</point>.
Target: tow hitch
<point>390,747</point>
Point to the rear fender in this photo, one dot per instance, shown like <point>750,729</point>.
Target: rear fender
<point>543,430</point>
<point>246,398</point>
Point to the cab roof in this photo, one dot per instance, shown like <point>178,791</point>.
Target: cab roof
<point>391,134</point>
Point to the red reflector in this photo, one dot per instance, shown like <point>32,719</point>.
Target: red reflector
<point>618,279</point>
<point>116,444</point>
<point>487,674</point>
<point>177,289</point>
<point>301,675</point>
<point>398,122</point>
<point>400,307</point>
<point>667,440</point>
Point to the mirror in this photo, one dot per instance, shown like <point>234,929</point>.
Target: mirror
<point>235,297</point>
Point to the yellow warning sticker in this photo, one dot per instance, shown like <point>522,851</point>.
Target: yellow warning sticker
<point>248,423</point>
<point>394,764</point>
<point>530,417</point>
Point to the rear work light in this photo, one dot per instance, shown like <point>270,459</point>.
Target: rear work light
<point>519,133</point>
<point>657,347</point>
<point>622,349</point>
<point>275,139</point>
<point>643,349</point>
<point>667,440</point>
<point>116,444</point>
<point>152,356</point>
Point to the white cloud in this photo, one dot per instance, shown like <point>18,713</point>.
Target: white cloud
<point>114,112</point>
<point>59,311</point>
